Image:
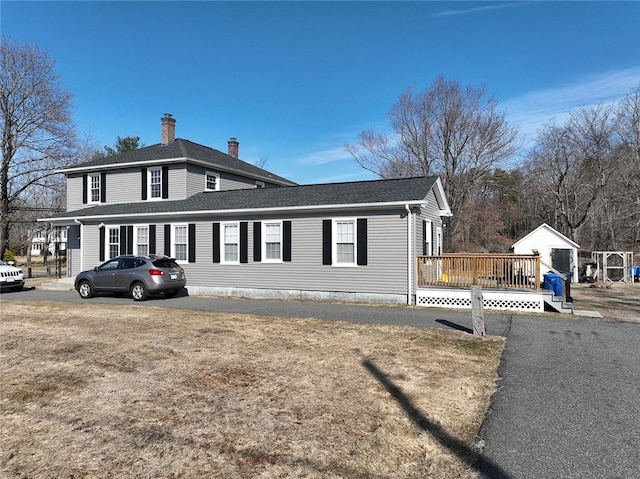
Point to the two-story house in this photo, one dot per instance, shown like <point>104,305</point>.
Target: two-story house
<point>240,230</point>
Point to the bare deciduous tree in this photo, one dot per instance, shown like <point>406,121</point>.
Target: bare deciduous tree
<point>570,169</point>
<point>37,131</point>
<point>448,130</point>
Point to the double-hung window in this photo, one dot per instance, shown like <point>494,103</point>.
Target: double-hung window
<point>113,241</point>
<point>180,242</point>
<point>345,242</point>
<point>211,181</point>
<point>141,241</point>
<point>155,182</point>
<point>94,188</point>
<point>272,244</point>
<point>230,242</point>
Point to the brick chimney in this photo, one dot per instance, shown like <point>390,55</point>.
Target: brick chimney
<point>168,128</point>
<point>233,147</point>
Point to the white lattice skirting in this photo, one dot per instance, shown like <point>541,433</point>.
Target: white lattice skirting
<point>461,299</point>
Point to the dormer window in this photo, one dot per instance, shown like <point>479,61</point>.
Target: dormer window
<point>211,181</point>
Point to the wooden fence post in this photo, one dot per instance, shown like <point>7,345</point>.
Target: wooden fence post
<point>477,311</point>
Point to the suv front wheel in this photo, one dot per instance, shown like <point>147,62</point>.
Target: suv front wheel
<point>85,290</point>
<point>138,292</point>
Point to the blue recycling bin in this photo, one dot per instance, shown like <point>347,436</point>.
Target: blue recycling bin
<point>552,282</point>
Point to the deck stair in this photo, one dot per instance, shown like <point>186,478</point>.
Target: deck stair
<point>556,303</point>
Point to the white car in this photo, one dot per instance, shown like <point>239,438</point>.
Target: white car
<point>11,277</point>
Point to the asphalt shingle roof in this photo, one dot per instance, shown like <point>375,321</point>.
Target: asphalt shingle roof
<point>329,194</point>
<point>181,148</point>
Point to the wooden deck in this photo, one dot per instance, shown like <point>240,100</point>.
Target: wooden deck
<point>499,271</point>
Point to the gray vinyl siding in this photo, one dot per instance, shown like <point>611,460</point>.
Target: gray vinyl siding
<point>74,193</point>
<point>91,245</point>
<point>431,212</point>
<point>385,273</point>
<point>195,180</point>
<point>177,183</point>
<point>123,186</point>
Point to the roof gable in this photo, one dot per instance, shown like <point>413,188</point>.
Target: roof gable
<point>549,229</point>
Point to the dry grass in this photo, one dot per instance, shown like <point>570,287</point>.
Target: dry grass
<point>615,301</point>
<point>108,391</point>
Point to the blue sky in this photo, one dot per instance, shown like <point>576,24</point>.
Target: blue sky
<point>295,81</point>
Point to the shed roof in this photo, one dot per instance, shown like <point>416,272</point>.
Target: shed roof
<point>545,226</point>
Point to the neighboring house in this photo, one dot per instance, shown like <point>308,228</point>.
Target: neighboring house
<point>44,240</point>
<point>240,230</point>
<point>555,249</point>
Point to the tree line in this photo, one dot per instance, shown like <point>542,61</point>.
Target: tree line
<point>581,176</point>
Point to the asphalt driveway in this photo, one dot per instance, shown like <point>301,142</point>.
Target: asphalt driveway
<point>568,404</point>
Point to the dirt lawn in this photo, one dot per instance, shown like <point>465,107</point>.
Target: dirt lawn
<point>615,301</point>
<point>129,391</point>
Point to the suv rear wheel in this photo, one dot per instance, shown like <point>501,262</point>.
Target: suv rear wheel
<point>138,292</point>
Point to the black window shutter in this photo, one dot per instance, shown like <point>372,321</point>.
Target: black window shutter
<point>152,239</point>
<point>167,240</point>
<point>216,242</point>
<point>103,187</point>
<point>244,242</point>
<point>144,183</point>
<point>102,240</point>
<point>129,239</point>
<point>84,190</point>
<point>192,243</point>
<point>286,241</point>
<point>326,241</point>
<point>362,241</point>
<point>424,238</point>
<point>123,240</point>
<point>165,182</point>
<point>257,241</point>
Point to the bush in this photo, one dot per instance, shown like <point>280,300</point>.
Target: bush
<point>9,256</point>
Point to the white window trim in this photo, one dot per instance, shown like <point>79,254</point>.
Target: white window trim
<point>107,238</point>
<point>223,225</point>
<point>173,242</point>
<point>438,245</point>
<point>264,242</point>
<point>135,239</point>
<point>90,178</point>
<point>428,234</point>
<point>149,189</point>
<point>211,173</point>
<point>334,243</point>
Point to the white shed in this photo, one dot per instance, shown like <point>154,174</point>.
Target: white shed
<point>556,250</point>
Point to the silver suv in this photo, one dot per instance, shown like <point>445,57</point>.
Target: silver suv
<point>139,276</point>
